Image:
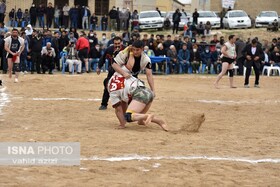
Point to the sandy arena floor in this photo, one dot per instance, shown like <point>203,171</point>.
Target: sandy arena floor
<point>239,124</point>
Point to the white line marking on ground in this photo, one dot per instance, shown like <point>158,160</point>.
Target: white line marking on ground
<point>145,158</point>
<point>64,99</point>
<point>4,99</point>
<point>239,102</point>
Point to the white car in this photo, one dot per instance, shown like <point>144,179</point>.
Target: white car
<point>150,20</point>
<point>237,19</point>
<point>266,18</point>
<point>205,16</point>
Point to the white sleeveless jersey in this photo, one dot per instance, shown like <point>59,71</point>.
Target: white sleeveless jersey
<point>230,49</point>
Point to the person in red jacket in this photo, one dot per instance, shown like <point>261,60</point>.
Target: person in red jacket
<point>82,46</point>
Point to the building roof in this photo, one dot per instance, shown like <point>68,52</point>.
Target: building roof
<point>185,1</point>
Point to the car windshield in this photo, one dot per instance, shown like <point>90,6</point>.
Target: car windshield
<point>268,14</point>
<point>237,14</point>
<point>207,14</point>
<point>149,14</point>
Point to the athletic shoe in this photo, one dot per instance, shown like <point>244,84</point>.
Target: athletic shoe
<point>102,107</point>
<point>257,86</point>
<point>246,86</point>
<point>25,72</point>
<point>16,80</point>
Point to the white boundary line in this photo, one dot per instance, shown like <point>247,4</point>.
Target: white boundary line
<point>145,158</point>
<point>64,99</point>
<point>238,102</point>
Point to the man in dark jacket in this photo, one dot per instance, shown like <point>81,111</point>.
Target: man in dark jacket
<point>108,55</point>
<point>74,16</point>
<point>50,15</point>
<point>113,14</point>
<point>36,45</point>
<point>33,15</point>
<point>195,16</point>
<point>239,46</point>
<point>253,53</point>
<point>176,20</point>
<point>41,15</point>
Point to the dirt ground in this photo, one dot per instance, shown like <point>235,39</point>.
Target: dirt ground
<point>239,123</point>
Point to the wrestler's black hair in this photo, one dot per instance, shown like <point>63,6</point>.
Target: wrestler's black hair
<point>138,44</point>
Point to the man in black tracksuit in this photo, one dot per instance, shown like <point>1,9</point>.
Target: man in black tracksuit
<point>35,46</point>
<point>109,54</point>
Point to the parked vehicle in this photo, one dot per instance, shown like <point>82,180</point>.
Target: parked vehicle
<point>266,18</point>
<point>150,20</point>
<point>237,19</point>
<point>205,16</point>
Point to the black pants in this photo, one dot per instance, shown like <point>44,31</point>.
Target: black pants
<point>66,21</point>
<point>106,95</point>
<point>256,66</point>
<point>49,22</point>
<point>2,16</point>
<point>36,59</point>
<point>240,63</point>
<point>175,27</point>
<point>47,63</point>
<point>33,21</point>
<point>57,60</point>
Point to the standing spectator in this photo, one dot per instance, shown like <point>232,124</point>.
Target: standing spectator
<point>104,22</point>
<point>177,42</point>
<point>113,14</point>
<point>57,15</point>
<point>12,18</point>
<point>86,14</point>
<point>240,45</point>
<point>123,16</point>
<point>83,48</point>
<point>135,20</point>
<point>184,59</point>
<point>48,55</point>
<point>2,11</point>
<point>55,45</point>
<point>176,20</point>
<point>254,55</point>
<point>223,13</point>
<point>118,20</point>
<point>195,16</point>
<point>26,18</point>
<point>157,9</point>
<point>33,15</point>
<point>93,22</point>
<point>74,16</point>
<point>65,11</point>
<point>47,38</point>
<point>36,45</point>
<point>172,54</point>
<point>41,17</point>
<point>50,15</point>
<point>23,56</point>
